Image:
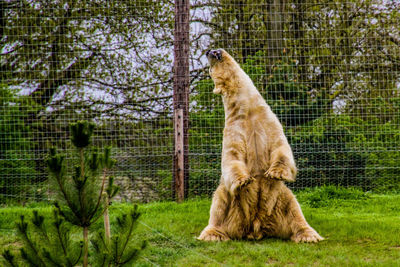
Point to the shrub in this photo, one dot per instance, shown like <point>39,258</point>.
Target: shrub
<point>17,165</point>
<point>327,195</point>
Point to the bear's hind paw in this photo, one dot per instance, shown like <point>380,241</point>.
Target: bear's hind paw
<point>307,236</point>
<point>212,234</point>
<point>254,236</point>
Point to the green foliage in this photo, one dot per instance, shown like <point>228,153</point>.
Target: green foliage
<point>119,250</point>
<point>61,56</point>
<point>55,162</point>
<point>383,160</point>
<point>207,118</point>
<point>81,133</point>
<point>81,192</point>
<point>17,166</point>
<point>46,244</point>
<point>112,189</point>
<point>240,27</point>
<point>347,151</point>
<point>328,152</point>
<point>293,101</point>
<point>106,161</point>
<point>328,195</point>
<point>9,257</point>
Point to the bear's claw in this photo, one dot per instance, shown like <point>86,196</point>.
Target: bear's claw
<point>240,183</point>
<point>279,173</point>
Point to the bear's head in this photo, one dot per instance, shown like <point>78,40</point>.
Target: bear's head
<point>214,56</point>
<point>217,56</point>
<point>224,70</point>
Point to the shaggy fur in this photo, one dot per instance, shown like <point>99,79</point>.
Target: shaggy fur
<point>252,200</point>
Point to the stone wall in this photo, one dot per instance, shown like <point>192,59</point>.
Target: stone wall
<point>139,189</point>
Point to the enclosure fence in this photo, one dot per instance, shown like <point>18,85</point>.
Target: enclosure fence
<point>330,70</point>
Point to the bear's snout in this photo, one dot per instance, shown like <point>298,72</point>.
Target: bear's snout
<point>214,54</point>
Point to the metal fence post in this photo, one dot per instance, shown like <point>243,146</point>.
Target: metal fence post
<point>181,99</point>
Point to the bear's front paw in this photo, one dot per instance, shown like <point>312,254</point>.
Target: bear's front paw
<point>280,173</point>
<point>217,91</point>
<point>238,184</point>
<point>307,236</point>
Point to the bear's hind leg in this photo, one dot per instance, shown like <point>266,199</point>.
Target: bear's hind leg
<point>301,230</point>
<point>219,208</point>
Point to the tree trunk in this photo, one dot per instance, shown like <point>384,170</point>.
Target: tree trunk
<point>274,22</point>
<point>107,231</point>
<point>85,246</point>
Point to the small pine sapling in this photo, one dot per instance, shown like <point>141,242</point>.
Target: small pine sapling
<point>118,250</point>
<point>83,200</point>
<point>46,244</point>
<point>81,196</point>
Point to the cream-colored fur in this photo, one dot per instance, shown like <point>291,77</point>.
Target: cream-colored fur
<point>252,200</point>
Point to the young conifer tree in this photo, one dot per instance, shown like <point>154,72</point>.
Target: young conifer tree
<point>46,244</point>
<point>84,198</point>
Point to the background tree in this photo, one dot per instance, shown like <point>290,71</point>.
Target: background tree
<point>87,59</point>
<point>58,49</point>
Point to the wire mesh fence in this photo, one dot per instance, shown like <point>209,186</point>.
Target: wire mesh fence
<point>330,70</point>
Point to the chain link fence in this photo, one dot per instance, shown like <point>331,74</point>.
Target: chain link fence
<point>330,70</point>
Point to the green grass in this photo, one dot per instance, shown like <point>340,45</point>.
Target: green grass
<point>360,230</point>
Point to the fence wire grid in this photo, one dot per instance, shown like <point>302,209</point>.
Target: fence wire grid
<point>330,70</point>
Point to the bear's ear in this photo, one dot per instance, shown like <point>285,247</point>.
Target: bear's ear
<point>217,91</point>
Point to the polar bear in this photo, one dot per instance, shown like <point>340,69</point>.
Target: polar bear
<point>252,200</point>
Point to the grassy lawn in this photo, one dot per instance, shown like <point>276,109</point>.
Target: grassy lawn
<point>360,230</point>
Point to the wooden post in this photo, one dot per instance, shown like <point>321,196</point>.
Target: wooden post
<point>179,161</point>
<point>181,99</point>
